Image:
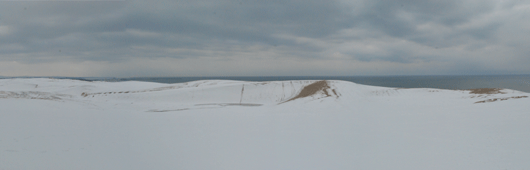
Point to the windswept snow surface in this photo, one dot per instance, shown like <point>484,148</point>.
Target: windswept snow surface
<point>219,124</point>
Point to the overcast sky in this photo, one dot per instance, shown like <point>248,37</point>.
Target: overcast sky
<point>264,38</point>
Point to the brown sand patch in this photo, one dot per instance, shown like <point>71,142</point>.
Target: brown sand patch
<point>486,91</point>
<point>334,92</point>
<point>312,89</point>
<point>501,99</point>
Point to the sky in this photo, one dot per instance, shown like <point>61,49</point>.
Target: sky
<point>264,38</point>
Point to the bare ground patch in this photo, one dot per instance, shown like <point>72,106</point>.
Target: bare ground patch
<point>501,99</point>
<point>313,89</point>
<point>486,91</point>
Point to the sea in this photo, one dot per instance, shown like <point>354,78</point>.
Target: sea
<point>454,82</point>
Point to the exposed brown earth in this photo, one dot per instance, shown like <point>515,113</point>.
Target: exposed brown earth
<point>501,99</point>
<point>334,92</point>
<point>486,91</point>
<point>312,89</point>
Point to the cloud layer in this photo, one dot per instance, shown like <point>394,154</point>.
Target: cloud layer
<point>264,38</point>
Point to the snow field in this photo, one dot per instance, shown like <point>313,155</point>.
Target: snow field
<point>219,124</point>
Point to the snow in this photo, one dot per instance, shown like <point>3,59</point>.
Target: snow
<point>220,124</point>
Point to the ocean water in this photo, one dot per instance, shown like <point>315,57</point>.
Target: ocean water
<point>515,82</point>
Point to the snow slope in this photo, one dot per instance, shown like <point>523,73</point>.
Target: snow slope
<point>219,124</point>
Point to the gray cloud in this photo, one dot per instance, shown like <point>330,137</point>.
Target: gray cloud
<point>401,32</point>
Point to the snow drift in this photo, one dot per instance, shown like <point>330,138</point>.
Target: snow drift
<point>219,124</point>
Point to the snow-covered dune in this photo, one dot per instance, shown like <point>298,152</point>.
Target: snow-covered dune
<point>219,124</point>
